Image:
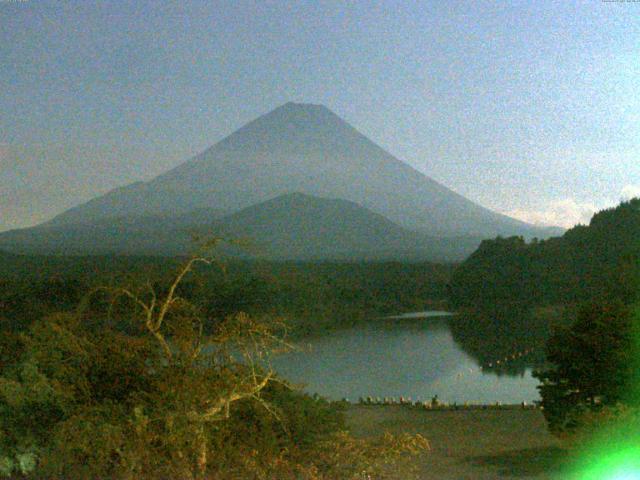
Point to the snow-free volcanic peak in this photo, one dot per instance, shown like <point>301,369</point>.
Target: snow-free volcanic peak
<point>305,148</point>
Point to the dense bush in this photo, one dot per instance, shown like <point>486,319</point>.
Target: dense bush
<point>593,364</point>
<point>142,383</point>
<point>312,296</point>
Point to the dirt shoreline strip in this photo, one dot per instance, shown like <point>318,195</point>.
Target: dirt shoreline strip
<point>491,444</point>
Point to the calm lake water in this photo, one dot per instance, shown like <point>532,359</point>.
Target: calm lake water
<point>415,358</point>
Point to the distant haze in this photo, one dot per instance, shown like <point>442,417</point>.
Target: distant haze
<point>299,181</point>
<point>301,148</point>
<point>527,108</point>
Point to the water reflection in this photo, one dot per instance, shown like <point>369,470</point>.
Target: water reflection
<point>508,341</point>
<point>418,358</point>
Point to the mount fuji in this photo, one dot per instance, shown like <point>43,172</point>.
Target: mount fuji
<point>296,148</point>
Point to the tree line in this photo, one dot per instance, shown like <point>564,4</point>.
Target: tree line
<point>601,260</point>
<point>589,379</point>
<point>168,377</point>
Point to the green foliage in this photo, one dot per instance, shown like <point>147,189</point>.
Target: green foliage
<point>140,382</point>
<point>601,260</point>
<point>501,333</point>
<point>313,296</point>
<point>593,364</point>
<point>494,274</point>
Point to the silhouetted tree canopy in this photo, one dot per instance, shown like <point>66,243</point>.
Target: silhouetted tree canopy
<point>592,364</point>
<point>601,260</point>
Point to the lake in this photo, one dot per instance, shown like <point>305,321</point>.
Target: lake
<point>412,355</point>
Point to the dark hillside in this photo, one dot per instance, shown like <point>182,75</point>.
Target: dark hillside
<point>289,227</point>
<point>601,259</point>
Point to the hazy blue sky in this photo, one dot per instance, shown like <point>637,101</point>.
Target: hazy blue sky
<point>529,108</point>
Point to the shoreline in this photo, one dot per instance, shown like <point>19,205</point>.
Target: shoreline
<point>303,330</point>
<point>481,444</point>
<point>430,406</point>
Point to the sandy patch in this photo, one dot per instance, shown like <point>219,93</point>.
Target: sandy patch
<point>474,445</point>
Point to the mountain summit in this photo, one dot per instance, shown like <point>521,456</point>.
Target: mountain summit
<point>301,148</point>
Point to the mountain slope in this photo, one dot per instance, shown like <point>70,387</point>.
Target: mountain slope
<point>301,148</point>
<point>292,226</point>
<point>305,227</point>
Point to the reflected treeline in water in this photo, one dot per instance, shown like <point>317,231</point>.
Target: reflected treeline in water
<point>505,340</point>
<point>416,358</point>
